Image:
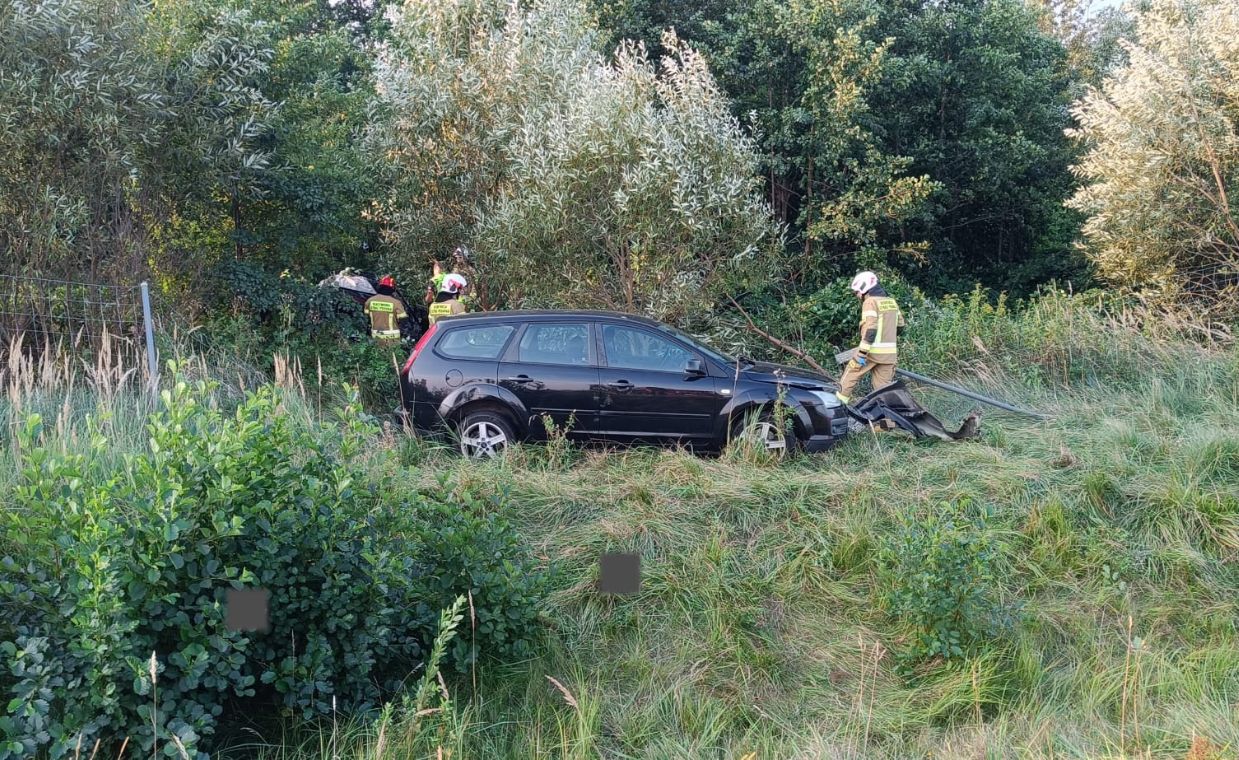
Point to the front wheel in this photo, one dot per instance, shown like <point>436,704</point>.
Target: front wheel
<point>484,435</point>
<point>761,433</point>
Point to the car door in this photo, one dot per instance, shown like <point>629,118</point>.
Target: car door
<point>552,367</point>
<point>647,392</point>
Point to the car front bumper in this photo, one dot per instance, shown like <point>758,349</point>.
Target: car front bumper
<point>830,427</point>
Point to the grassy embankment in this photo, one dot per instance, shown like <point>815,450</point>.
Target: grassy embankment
<point>764,627</point>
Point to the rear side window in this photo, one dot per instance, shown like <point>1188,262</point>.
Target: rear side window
<point>484,342</point>
<point>556,343</point>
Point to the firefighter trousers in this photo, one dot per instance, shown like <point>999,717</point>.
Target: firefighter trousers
<point>883,375</point>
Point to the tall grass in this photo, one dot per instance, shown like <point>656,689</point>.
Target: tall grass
<point>761,630</point>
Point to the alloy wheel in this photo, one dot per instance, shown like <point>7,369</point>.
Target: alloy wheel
<point>767,435</point>
<point>482,440</point>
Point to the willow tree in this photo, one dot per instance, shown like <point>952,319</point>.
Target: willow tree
<point>578,182</point>
<point>1162,169</point>
<point>80,103</point>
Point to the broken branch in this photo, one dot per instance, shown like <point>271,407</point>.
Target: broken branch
<point>775,341</point>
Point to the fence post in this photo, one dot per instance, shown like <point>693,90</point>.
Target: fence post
<point>151,363</point>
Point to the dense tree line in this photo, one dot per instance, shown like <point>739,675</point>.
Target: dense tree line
<point>637,154</point>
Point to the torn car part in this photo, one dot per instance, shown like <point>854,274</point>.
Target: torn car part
<point>846,356</point>
<point>893,406</point>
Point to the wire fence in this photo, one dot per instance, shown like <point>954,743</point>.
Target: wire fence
<point>41,316</point>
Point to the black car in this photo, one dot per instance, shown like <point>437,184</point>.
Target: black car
<point>494,377</point>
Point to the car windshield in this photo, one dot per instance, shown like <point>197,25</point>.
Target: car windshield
<point>717,356</point>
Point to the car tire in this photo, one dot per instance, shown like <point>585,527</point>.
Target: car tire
<point>484,434</point>
<point>781,444</point>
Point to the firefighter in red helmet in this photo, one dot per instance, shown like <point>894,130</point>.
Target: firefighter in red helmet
<point>385,312</point>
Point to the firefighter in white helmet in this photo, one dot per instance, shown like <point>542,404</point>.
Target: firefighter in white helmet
<point>880,319</point>
<point>447,300</point>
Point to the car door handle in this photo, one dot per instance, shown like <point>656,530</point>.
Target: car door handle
<point>518,379</point>
<point>620,385</point>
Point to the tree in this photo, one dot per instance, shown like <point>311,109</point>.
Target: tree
<point>1162,168</point>
<point>978,96</point>
<point>80,102</point>
<point>578,182</point>
<point>924,137</point>
<point>265,162</point>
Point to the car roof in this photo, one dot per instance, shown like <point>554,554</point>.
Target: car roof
<point>548,314</point>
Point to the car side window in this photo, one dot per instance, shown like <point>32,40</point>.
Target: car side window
<point>628,348</point>
<point>555,343</point>
<point>475,342</point>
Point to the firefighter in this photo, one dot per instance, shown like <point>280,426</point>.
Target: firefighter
<point>462,264</point>
<point>385,312</point>
<point>880,318</point>
<point>436,280</point>
<point>447,300</point>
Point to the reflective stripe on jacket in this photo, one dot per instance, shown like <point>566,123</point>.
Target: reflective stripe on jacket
<point>880,319</point>
<point>445,309</point>
<point>384,311</point>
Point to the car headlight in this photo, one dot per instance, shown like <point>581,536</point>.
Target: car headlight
<point>828,399</point>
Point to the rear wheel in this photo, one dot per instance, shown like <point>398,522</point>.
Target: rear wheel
<point>484,434</point>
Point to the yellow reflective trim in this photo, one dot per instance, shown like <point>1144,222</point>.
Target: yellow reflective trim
<point>887,304</point>
<point>882,350</point>
<point>843,398</point>
<point>865,346</point>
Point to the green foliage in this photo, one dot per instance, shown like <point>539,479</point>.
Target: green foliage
<point>829,318</point>
<point>469,548</point>
<point>295,307</point>
<point>846,192</point>
<point>976,94</point>
<point>323,327</point>
<point>124,567</point>
<point>577,183</point>
<point>80,104</point>
<point>1162,167</point>
<point>926,137</point>
<point>941,579</point>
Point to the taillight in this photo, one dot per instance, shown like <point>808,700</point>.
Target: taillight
<point>417,349</point>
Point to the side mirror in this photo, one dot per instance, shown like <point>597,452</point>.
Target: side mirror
<point>695,368</point>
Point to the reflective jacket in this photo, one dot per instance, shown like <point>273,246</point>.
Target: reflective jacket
<point>384,312</point>
<point>880,319</point>
<point>445,309</point>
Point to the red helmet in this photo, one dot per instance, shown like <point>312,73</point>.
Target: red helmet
<point>387,282</point>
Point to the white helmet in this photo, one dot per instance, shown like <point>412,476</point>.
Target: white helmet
<point>453,283</point>
<point>864,282</point>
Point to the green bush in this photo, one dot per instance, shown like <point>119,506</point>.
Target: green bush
<point>830,317</point>
<point>122,564</point>
<point>468,547</point>
<point>940,578</point>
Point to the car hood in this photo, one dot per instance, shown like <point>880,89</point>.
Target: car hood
<point>766,372</point>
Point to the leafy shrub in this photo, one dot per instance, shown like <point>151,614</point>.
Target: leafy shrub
<point>940,577</point>
<point>467,546</point>
<point>119,561</point>
<point>830,317</point>
<point>296,307</point>
<point>324,327</point>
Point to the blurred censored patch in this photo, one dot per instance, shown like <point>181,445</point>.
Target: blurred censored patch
<point>247,610</point>
<point>619,574</point>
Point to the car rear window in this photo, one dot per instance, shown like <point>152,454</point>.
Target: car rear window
<point>485,342</point>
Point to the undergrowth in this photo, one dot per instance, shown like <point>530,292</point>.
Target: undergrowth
<point>1059,588</point>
